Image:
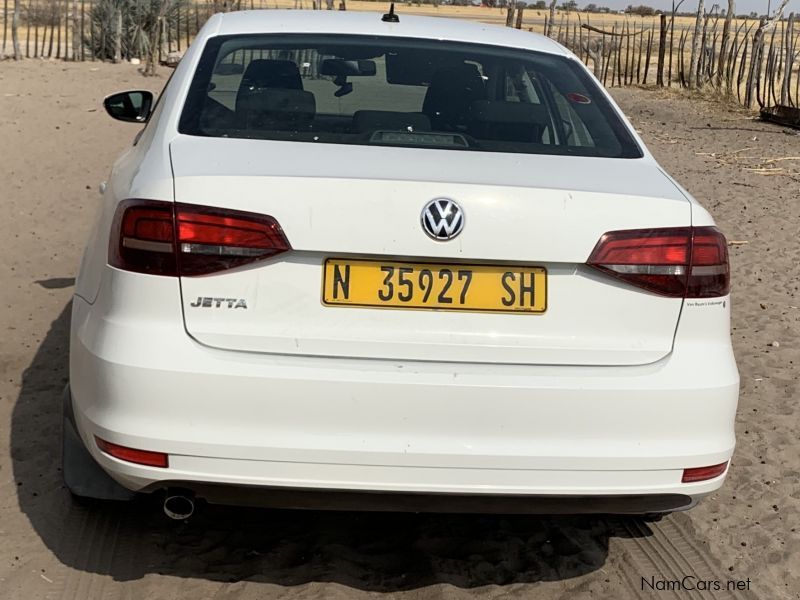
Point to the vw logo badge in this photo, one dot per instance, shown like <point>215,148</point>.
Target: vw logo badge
<point>442,219</point>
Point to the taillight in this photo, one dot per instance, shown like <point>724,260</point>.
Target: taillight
<point>162,238</point>
<point>678,262</point>
<point>143,238</point>
<point>134,455</point>
<point>703,473</point>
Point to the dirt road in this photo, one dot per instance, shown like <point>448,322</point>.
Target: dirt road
<point>56,145</point>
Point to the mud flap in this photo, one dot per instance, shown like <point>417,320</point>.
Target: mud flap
<point>82,475</point>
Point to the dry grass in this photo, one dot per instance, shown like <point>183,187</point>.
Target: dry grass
<point>566,28</point>
<point>534,20</point>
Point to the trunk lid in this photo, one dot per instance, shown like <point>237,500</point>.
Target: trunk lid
<point>365,203</point>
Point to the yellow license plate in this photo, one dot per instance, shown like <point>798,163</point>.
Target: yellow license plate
<point>389,284</point>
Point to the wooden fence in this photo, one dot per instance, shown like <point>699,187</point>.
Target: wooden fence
<point>751,60</point>
<point>65,29</point>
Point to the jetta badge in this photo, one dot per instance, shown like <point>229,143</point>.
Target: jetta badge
<point>442,219</point>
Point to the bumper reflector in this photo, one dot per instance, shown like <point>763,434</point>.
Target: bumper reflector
<point>140,457</point>
<point>703,473</point>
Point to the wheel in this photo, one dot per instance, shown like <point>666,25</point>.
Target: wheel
<point>653,517</point>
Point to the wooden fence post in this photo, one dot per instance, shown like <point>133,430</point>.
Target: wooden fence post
<point>723,50</point>
<point>58,25</point>
<point>619,57</point>
<point>519,17</point>
<point>701,58</point>
<point>77,38</point>
<point>15,31</point>
<point>52,29</point>
<point>662,41</point>
<point>162,52</point>
<point>510,15</point>
<point>178,25</point>
<point>786,96</point>
<point>91,32</point>
<point>647,56</point>
<point>118,36</point>
<point>740,74</point>
<point>694,57</point>
<point>36,32</point>
<point>28,31</point>
<point>639,56</point>
<point>83,30</point>
<point>5,28</point>
<point>796,91</point>
<point>681,58</point>
<point>752,73</point>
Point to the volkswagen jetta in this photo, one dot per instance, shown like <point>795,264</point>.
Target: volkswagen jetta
<point>410,263</point>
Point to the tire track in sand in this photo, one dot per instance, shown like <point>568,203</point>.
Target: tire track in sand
<point>96,542</point>
<point>667,551</point>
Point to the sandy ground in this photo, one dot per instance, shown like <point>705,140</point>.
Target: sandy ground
<point>56,145</point>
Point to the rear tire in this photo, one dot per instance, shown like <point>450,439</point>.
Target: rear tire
<point>653,517</point>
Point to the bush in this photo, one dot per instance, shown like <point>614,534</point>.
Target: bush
<point>139,25</point>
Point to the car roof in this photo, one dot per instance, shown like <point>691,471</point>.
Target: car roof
<point>370,23</point>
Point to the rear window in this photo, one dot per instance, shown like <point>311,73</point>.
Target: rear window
<point>337,89</point>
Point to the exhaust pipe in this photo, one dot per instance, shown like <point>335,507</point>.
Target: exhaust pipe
<point>179,504</point>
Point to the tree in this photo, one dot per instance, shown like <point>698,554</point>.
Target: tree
<point>569,6</point>
<point>641,10</point>
<point>540,5</point>
<point>591,8</point>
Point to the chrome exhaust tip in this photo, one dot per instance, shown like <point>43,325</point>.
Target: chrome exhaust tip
<point>178,505</point>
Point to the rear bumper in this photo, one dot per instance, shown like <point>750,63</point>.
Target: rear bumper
<point>270,422</point>
<point>275,497</point>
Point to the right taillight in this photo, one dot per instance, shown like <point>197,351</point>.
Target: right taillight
<point>163,238</point>
<point>710,274</point>
<point>679,262</point>
<point>695,474</point>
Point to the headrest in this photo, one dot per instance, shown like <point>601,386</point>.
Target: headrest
<point>450,94</point>
<point>459,77</point>
<point>266,73</point>
<point>276,108</point>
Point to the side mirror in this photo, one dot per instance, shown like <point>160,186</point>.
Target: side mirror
<point>132,107</point>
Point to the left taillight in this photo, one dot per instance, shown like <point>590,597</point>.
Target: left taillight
<point>133,455</point>
<point>162,238</point>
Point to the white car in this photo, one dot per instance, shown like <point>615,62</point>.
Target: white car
<point>396,262</point>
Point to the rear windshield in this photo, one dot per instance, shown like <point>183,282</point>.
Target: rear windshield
<point>338,89</point>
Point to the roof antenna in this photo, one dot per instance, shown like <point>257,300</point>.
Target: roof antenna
<point>390,17</point>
